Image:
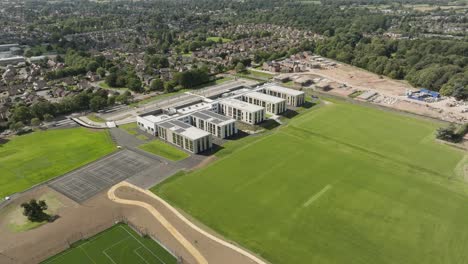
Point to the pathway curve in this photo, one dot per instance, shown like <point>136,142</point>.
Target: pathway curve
<point>177,235</point>
<point>248,257</point>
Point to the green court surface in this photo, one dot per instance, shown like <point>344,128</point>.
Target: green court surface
<point>117,245</point>
<point>340,183</point>
<point>165,150</point>
<point>39,156</point>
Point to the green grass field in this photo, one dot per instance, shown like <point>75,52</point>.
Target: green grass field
<point>117,245</point>
<point>33,158</point>
<point>165,150</point>
<point>130,128</point>
<point>95,118</point>
<point>340,183</point>
<point>256,75</point>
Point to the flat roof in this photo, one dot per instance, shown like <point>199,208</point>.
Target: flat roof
<point>280,89</point>
<point>213,117</point>
<point>184,129</point>
<point>265,97</point>
<point>159,118</point>
<point>241,105</point>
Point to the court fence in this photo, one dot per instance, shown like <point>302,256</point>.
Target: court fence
<point>48,250</point>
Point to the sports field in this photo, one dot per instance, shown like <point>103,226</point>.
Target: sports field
<point>339,184</point>
<point>165,150</point>
<point>33,158</point>
<point>117,245</point>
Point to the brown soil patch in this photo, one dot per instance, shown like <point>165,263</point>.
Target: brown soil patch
<point>79,221</point>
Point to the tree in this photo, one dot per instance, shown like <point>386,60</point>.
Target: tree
<point>17,126</point>
<point>92,66</point>
<point>240,68</point>
<point>123,98</point>
<point>101,71</point>
<point>48,117</point>
<point>448,133</point>
<point>169,87</point>
<point>34,210</point>
<point>111,79</point>
<point>35,121</point>
<point>134,84</point>
<point>22,114</point>
<point>96,103</point>
<point>157,85</point>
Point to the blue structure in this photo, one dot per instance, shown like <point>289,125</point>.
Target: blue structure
<point>422,94</point>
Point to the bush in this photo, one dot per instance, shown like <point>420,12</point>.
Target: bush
<point>35,122</point>
<point>452,133</point>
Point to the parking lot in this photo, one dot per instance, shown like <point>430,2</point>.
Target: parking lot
<point>89,180</point>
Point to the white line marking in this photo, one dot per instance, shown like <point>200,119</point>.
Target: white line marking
<point>317,195</point>
<point>135,251</point>
<point>142,244</point>
<point>87,255</point>
<point>108,257</point>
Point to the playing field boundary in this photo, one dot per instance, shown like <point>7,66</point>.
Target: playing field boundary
<point>128,235</point>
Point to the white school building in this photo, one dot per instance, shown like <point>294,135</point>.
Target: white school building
<point>292,97</point>
<point>242,111</point>
<point>185,136</point>
<point>272,104</point>
<point>193,127</point>
<point>216,124</point>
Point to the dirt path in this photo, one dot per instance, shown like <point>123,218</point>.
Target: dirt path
<point>213,249</point>
<point>172,230</point>
<point>80,221</point>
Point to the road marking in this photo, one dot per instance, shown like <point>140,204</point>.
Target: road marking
<point>317,195</point>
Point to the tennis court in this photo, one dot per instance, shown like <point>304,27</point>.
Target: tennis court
<point>117,245</point>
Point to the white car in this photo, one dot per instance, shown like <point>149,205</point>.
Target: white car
<point>7,198</point>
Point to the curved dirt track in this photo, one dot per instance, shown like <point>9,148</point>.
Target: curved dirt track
<point>204,248</point>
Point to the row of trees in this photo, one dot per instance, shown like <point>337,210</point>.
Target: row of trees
<point>119,78</point>
<point>78,62</point>
<point>46,111</point>
<point>439,65</point>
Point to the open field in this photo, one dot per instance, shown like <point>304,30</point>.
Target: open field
<point>130,128</point>
<point>164,150</point>
<point>95,118</point>
<point>117,245</point>
<point>104,85</point>
<point>31,159</point>
<point>256,75</point>
<point>339,184</point>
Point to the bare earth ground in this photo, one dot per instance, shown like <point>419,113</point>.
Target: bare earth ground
<point>392,92</point>
<point>212,250</point>
<point>79,221</point>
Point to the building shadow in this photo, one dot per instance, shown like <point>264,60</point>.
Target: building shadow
<point>289,113</point>
<point>269,124</point>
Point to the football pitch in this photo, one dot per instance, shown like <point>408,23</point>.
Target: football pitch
<point>117,245</point>
<point>341,183</point>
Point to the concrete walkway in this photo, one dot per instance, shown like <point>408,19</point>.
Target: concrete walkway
<point>84,121</point>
